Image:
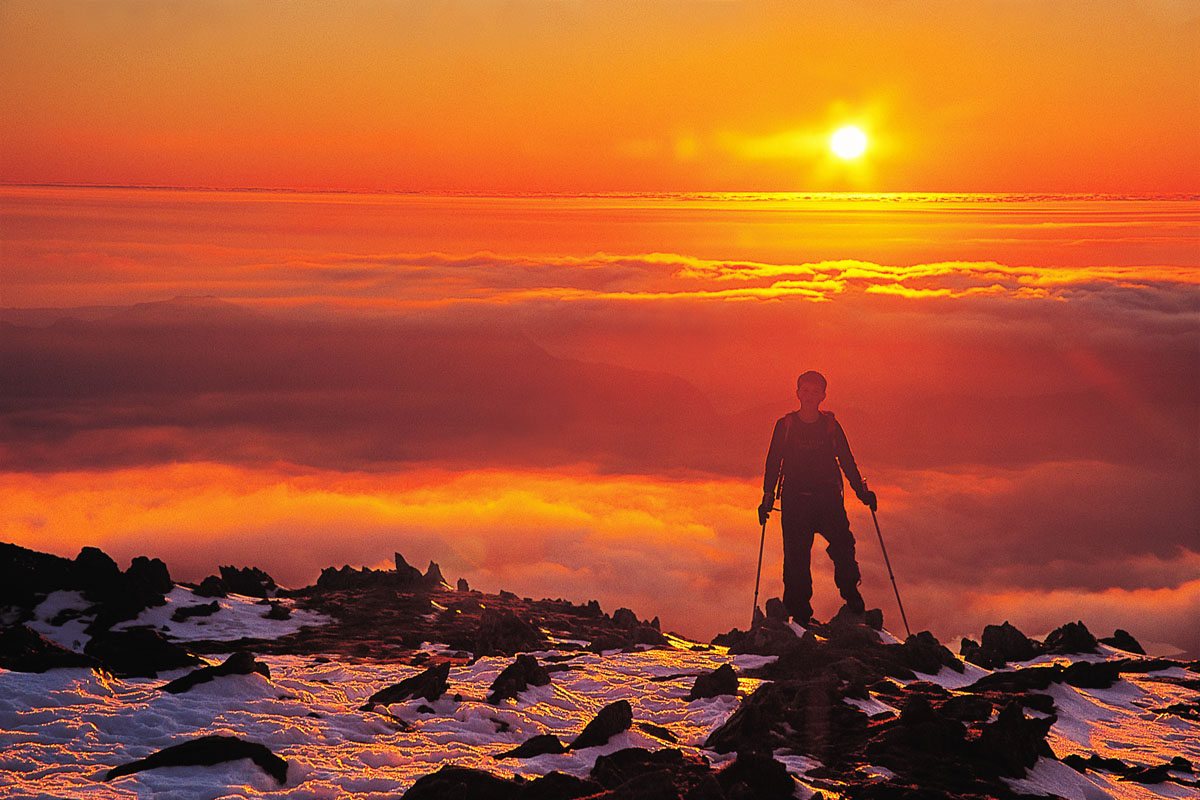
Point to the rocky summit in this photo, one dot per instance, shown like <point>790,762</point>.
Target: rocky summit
<point>392,683</point>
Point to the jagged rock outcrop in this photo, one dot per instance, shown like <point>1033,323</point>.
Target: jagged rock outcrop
<point>430,685</point>
<point>504,633</point>
<point>138,653</point>
<point>207,751</point>
<point>614,718</point>
<point>184,613</point>
<point>25,650</point>
<point>250,581</point>
<point>1123,640</point>
<point>722,680</point>
<point>516,678</point>
<point>240,663</point>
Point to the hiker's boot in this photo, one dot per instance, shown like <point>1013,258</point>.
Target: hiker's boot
<point>854,603</point>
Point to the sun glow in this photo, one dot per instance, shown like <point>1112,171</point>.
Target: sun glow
<point>848,142</point>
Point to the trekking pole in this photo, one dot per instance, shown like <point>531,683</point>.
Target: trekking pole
<point>887,561</point>
<point>758,574</point>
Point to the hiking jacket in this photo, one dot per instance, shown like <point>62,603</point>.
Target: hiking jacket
<point>809,457</point>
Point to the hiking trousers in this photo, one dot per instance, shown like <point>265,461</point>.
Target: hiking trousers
<point>803,515</point>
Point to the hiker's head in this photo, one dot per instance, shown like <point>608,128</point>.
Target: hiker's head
<point>810,387</point>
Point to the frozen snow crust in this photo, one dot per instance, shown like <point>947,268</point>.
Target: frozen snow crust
<point>839,710</point>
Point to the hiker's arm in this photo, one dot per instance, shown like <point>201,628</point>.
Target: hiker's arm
<point>771,474</point>
<point>774,461</point>
<point>841,449</point>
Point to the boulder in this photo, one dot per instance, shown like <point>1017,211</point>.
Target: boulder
<point>430,684</point>
<point>1122,640</point>
<point>722,680</point>
<point>625,619</point>
<point>250,581</point>
<point>26,650</point>
<point>1074,637</point>
<point>504,633</point>
<point>559,786</point>
<point>516,678</point>
<point>681,772</point>
<point>463,586</point>
<point>1000,644</point>
<point>1014,742</point>
<point>138,653</point>
<point>206,751</point>
<point>757,775</point>
<point>212,586</point>
<point>184,613</point>
<point>614,718</point>
<point>536,746</point>
<point>149,576</point>
<point>776,610</point>
<point>27,575</point>
<point>461,782</point>
<point>921,652</point>
<point>240,663</point>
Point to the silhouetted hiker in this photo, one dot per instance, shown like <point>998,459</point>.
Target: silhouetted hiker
<point>807,448</point>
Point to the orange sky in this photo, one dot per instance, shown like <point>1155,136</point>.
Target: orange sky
<point>542,95</point>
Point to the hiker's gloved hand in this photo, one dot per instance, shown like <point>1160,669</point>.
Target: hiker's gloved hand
<point>869,499</point>
<point>764,510</point>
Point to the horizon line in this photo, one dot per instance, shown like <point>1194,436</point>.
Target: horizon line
<point>612,194</point>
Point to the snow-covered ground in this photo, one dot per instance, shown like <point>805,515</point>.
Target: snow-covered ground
<point>61,731</point>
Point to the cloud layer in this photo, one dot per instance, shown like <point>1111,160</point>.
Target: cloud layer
<point>1018,382</point>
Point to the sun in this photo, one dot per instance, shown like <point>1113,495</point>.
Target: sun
<point>848,142</point>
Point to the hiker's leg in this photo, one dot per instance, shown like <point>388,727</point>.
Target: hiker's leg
<point>841,550</point>
<point>797,552</point>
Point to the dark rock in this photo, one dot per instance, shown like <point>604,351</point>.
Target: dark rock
<point>349,579</point>
<point>240,663</point>
<point>212,586</point>
<point>1001,644</point>
<point>537,746</point>
<point>430,684</point>
<point>874,618</point>
<point>758,619</point>
<point>757,775</point>
<point>1074,637</point>
<point>149,576</point>
<point>463,586</point>
<point>722,680</point>
<point>97,575</point>
<point>1092,674</point>
<point>138,653</point>
<point>250,581</point>
<point>968,708</point>
<point>407,576</point>
<point>633,763</point>
<point>609,641</point>
<point>1013,742</point>
<point>278,612</point>
<point>654,623</point>
<point>461,783</point>
<point>751,726</point>
<point>27,575</point>
<point>184,613</point>
<point>771,638</point>
<point>25,650</point>
<point>1095,762</point>
<point>614,718</point>
<point>625,619</point>
<point>658,732</point>
<point>559,786</point>
<point>921,652</point>
<point>432,579</point>
<point>776,610</point>
<point>504,633</point>
<point>1122,640</point>
<point>516,678</point>
<point>206,751</point>
<point>648,634</point>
